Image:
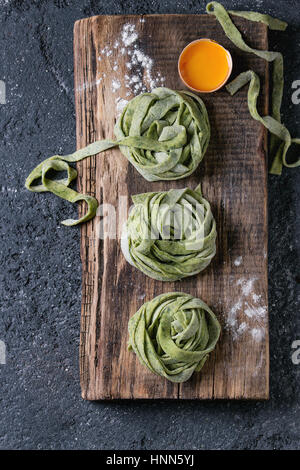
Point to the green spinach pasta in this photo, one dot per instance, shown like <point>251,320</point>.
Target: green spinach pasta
<point>173,335</point>
<point>281,139</point>
<point>170,235</point>
<point>164,134</point>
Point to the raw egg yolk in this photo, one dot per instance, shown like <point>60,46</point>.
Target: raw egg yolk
<point>204,65</point>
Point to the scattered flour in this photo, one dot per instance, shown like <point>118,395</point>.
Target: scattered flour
<point>231,319</point>
<point>106,51</point>
<point>129,34</point>
<point>255,312</point>
<point>139,64</point>
<point>257,334</point>
<point>238,261</point>
<point>139,76</point>
<point>247,285</point>
<point>115,85</point>
<point>242,328</point>
<point>88,85</point>
<point>121,103</point>
<point>256,298</point>
<point>248,315</point>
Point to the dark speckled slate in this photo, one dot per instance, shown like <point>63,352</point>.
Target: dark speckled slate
<point>41,273</point>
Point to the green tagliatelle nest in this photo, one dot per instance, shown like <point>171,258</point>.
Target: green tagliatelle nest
<point>176,122</point>
<point>164,134</point>
<point>173,335</point>
<point>170,235</point>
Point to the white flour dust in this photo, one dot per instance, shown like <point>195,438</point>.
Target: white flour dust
<point>139,75</point>
<point>256,298</point>
<point>238,261</point>
<point>120,104</point>
<point>253,311</point>
<point>129,34</point>
<point>258,334</point>
<point>115,85</point>
<point>248,315</point>
<point>246,285</point>
<point>232,314</point>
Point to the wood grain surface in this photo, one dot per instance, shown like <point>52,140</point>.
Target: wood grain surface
<point>234,179</point>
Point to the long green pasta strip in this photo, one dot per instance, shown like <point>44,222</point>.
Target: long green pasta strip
<point>170,235</point>
<point>274,126</point>
<point>235,36</point>
<point>60,187</point>
<point>272,23</point>
<point>173,335</point>
<point>164,134</point>
<point>280,138</point>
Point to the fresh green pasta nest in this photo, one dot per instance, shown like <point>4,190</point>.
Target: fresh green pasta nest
<point>170,235</point>
<point>164,134</point>
<point>177,125</point>
<point>173,335</point>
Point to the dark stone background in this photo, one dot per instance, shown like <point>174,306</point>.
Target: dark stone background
<point>40,403</point>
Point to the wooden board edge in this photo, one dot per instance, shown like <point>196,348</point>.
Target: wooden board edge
<point>265,150</point>
<point>147,15</point>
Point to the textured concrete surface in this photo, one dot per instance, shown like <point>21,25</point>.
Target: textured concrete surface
<point>40,404</point>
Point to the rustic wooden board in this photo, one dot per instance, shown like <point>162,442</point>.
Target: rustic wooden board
<point>234,180</point>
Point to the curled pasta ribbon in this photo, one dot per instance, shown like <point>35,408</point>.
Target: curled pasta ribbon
<point>170,235</point>
<point>163,116</point>
<point>274,126</point>
<point>164,134</point>
<point>280,137</point>
<point>173,335</point>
